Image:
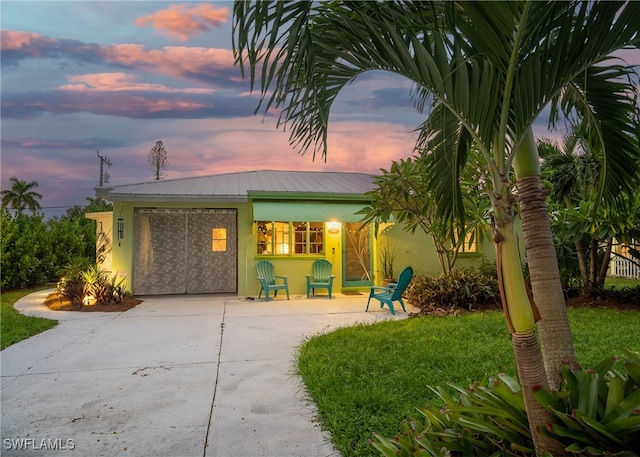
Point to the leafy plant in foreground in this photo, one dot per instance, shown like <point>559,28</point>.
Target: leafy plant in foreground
<point>486,420</point>
<point>598,410</point>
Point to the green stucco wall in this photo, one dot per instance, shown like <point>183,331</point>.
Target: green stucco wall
<point>418,251</point>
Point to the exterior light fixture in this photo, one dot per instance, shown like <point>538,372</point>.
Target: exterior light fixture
<point>333,227</point>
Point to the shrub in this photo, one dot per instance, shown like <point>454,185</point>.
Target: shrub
<point>81,279</point>
<point>459,289</point>
<point>597,411</point>
<point>25,251</point>
<point>487,420</point>
<point>98,285</point>
<point>628,295</point>
<point>72,285</point>
<point>34,251</point>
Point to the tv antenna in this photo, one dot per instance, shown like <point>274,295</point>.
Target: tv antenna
<point>104,176</point>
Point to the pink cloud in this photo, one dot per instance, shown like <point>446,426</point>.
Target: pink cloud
<point>30,43</point>
<point>182,22</point>
<point>116,82</point>
<point>173,60</point>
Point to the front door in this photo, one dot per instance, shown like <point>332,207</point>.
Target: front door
<point>356,254</point>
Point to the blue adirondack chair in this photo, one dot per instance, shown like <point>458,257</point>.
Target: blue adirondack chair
<point>392,292</point>
<point>320,277</point>
<point>266,275</point>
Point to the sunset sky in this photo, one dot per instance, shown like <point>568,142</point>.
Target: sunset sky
<point>115,76</point>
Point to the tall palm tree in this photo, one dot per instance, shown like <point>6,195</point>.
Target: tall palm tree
<point>21,196</point>
<point>486,70</point>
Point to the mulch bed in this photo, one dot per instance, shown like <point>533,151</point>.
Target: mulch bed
<point>56,302</point>
<point>575,302</point>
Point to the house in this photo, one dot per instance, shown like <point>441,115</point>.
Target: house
<point>205,234</point>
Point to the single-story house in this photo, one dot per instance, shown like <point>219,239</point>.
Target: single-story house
<point>205,234</point>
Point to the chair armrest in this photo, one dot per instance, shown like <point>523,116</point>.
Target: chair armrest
<point>282,277</point>
<point>374,288</point>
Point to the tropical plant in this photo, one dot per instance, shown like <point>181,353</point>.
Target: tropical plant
<point>387,258</point>
<point>21,196</point>
<point>104,291</point>
<point>72,285</point>
<point>598,410</point>
<point>487,419</point>
<point>586,217</point>
<point>486,70</point>
<point>403,193</point>
<point>457,290</point>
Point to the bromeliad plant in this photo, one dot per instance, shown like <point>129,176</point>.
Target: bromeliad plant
<point>486,420</point>
<point>597,410</point>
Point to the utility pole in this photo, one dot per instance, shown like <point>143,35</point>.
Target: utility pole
<point>104,177</point>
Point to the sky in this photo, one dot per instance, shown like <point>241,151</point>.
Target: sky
<point>80,77</point>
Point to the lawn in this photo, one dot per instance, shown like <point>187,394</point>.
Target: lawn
<point>367,378</point>
<point>620,283</point>
<point>15,327</point>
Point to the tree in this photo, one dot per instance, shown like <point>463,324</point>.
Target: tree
<point>589,219</point>
<point>486,70</point>
<point>401,193</point>
<point>158,159</point>
<point>21,196</point>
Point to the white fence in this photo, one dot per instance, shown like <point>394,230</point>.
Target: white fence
<point>624,268</point>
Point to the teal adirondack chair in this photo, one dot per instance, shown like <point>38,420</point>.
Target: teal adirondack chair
<point>320,277</point>
<point>392,292</point>
<point>266,275</point>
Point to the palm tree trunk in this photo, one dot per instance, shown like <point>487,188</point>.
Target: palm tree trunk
<point>554,332</point>
<point>531,374</point>
<point>556,340</point>
<point>520,319</point>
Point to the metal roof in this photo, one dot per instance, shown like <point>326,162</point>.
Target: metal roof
<point>240,186</point>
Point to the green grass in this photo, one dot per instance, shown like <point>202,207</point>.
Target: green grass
<point>15,327</point>
<point>619,283</point>
<point>368,378</point>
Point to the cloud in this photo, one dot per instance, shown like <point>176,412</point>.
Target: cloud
<point>212,66</point>
<point>208,65</point>
<point>183,22</point>
<point>132,103</point>
<point>121,82</point>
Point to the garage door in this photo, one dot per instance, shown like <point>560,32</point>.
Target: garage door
<point>185,251</point>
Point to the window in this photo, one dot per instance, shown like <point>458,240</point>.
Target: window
<point>290,238</point>
<point>219,239</point>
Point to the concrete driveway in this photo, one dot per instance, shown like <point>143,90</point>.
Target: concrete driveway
<point>176,376</point>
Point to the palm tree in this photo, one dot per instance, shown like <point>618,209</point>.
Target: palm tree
<point>486,70</point>
<point>21,196</point>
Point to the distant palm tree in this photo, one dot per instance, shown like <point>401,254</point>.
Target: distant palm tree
<point>21,196</point>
